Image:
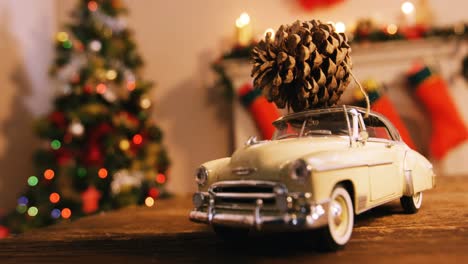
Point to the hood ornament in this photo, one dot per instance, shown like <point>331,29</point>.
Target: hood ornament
<point>243,171</point>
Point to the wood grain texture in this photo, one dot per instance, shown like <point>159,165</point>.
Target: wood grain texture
<point>438,233</point>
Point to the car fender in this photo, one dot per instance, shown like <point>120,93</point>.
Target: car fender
<point>418,173</point>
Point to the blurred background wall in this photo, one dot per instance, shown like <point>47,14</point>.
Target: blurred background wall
<point>178,40</point>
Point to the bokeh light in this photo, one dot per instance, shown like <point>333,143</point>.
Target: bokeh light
<point>92,6</point>
<point>54,197</point>
<point>32,211</point>
<point>153,192</point>
<point>23,200</point>
<point>66,213</point>
<point>62,36</point>
<point>55,213</point>
<point>160,178</point>
<point>407,7</point>
<point>33,181</point>
<point>111,75</point>
<point>21,208</point>
<point>137,139</point>
<point>392,29</point>
<point>82,172</point>
<point>102,173</point>
<point>149,201</point>
<point>49,174</point>
<point>101,88</point>
<point>340,27</point>
<point>124,144</point>
<point>55,144</point>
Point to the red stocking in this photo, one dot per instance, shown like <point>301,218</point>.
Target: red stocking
<point>448,128</point>
<point>263,112</point>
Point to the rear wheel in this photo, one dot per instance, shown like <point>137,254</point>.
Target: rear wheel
<point>231,233</point>
<point>340,221</point>
<point>411,204</point>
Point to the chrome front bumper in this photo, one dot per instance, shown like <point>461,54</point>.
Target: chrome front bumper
<point>289,211</point>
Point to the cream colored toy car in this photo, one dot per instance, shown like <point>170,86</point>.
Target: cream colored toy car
<point>321,168</point>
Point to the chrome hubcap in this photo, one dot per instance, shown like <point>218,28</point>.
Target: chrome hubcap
<point>336,211</point>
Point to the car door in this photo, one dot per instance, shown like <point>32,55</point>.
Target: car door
<point>383,166</point>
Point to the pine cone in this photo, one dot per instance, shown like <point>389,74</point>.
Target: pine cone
<point>303,67</point>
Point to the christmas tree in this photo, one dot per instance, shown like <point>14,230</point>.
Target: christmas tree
<point>100,149</point>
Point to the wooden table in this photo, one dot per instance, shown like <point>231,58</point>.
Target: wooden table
<point>162,234</point>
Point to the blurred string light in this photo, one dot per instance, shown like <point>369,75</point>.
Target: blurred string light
<point>62,36</point>
<point>55,144</point>
<point>101,88</point>
<point>124,144</point>
<point>49,174</point>
<point>153,192</point>
<point>66,213</point>
<point>23,200</point>
<point>54,197</point>
<point>32,211</point>
<point>392,29</point>
<point>102,173</point>
<point>33,181</point>
<point>21,208</point>
<point>340,27</point>
<point>92,6</point>
<point>243,20</point>
<point>137,139</point>
<point>407,7</point>
<point>95,45</point>
<point>55,213</point>
<point>111,75</point>
<point>160,178</point>
<point>149,201</point>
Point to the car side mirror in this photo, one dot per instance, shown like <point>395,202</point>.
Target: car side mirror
<point>363,136</point>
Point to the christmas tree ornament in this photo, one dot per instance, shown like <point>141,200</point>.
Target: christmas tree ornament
<point>76,128</point>
<point>145,102</point>
<point>448,128</point>
<point>306,66</point>
<point>381,103</point>
<point>95,45</point>
<point>90,199</point>
<point>262,111</point>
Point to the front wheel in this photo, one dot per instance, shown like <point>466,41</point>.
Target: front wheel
<point>340,221</point>
<point>411,204</point>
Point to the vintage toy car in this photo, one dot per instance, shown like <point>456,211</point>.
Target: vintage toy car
<point>321,169</point>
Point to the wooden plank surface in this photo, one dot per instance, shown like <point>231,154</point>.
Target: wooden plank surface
<point>163,234</point>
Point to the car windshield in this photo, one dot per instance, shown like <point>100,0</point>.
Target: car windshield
<point>314,124</point>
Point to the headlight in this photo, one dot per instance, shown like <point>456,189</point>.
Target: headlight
<point>299,170</point>
<point>201,176</point>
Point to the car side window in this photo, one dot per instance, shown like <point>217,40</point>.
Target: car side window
<point>376,128</point>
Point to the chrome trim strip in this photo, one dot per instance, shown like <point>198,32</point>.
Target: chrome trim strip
<point>245,195</point>
<point>347,166</point>
<point>245,183</point>
<point>243,170</point>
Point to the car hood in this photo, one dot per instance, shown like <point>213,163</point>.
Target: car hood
<point>268,159</point>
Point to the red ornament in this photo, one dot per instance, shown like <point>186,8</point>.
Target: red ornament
<point>88,89</point>
<point>90,199</point>
<point>4,232</point>
<point>153,192</point>
<point>63,156</point>
<point>93,155</point>
<point>58,119</point>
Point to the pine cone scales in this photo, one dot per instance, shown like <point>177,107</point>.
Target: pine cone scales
<point>304,67</point>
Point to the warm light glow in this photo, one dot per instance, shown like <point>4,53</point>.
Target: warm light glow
<point>54,197</point>
<point>49,174</point>
<point>92,6</point>
<point>102,173</point>
<point>149,201</point>
<point>32,211</point>
<point>153,192</point>
<point>407,7</point>
<point>161,178</point>
<point>131,85</point>
<point>243,20</point>
<point>145,103</point>
<point>271,31</point>
<point>62,36</point>
<point>101,88</point>
<point>111,74</point>
<point>124,144</point>
<point>137,139</point>
<point>76,128</point>
<point>340,27</point>
<point>392,29</point>
<point>66,213</point>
